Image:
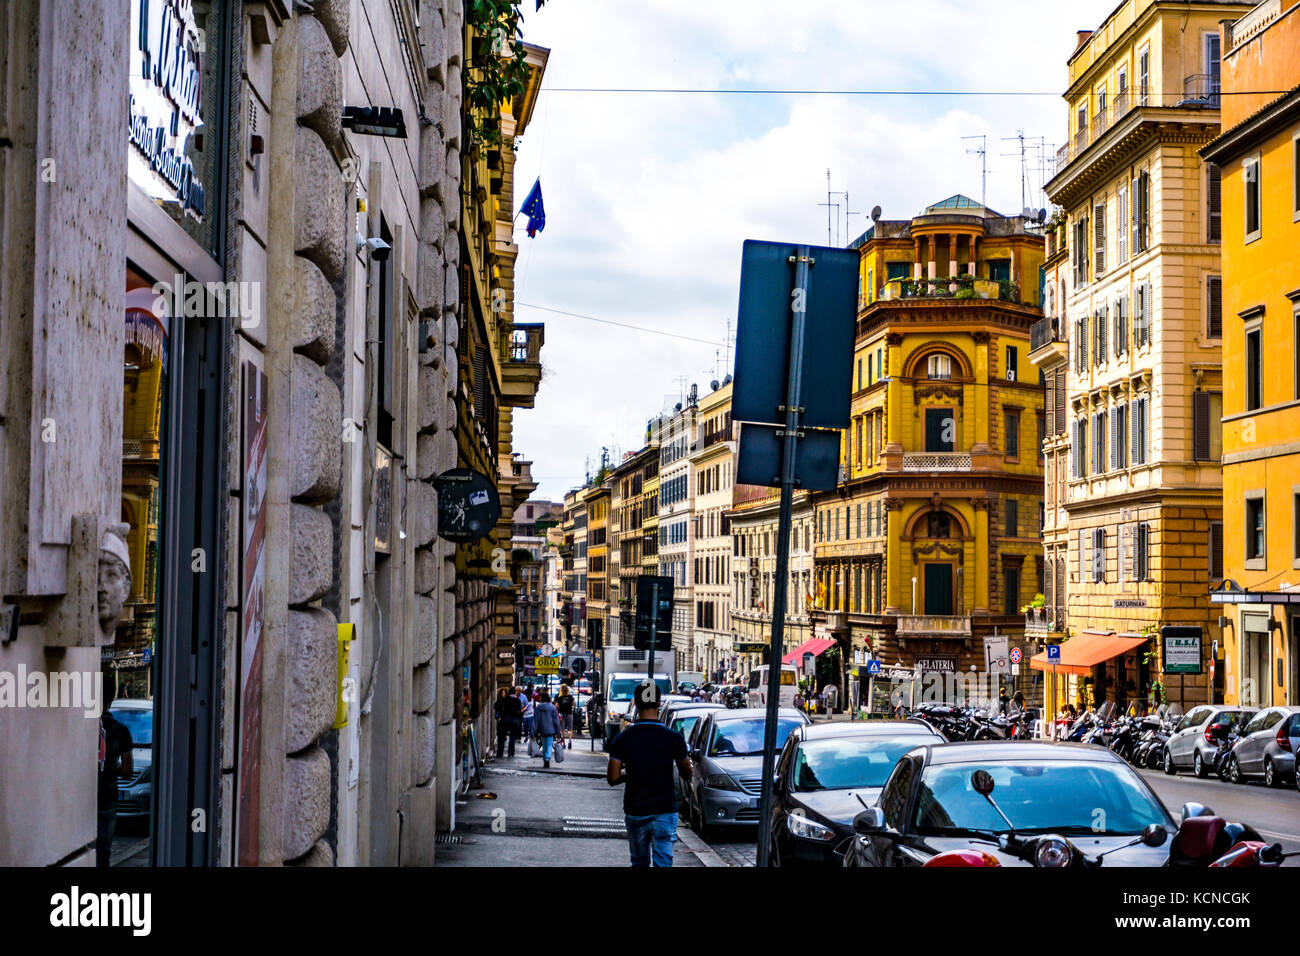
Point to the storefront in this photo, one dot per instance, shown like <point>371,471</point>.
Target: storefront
<point>166,652</point>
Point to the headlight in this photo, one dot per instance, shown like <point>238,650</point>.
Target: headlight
<point>1052,852</point>
<point>721,781</point>
<point>801,826</point>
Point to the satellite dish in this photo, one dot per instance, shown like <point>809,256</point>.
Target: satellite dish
<point>875,214</point>
<point>713,385</point>
<point>1042,215</point>
<point>1027,213</point>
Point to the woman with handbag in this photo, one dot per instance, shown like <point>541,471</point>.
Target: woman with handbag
<point>546,721</point>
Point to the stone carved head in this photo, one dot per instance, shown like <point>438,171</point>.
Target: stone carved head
<point>114,579</point>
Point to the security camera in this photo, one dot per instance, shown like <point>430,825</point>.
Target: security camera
<point>378,248</point>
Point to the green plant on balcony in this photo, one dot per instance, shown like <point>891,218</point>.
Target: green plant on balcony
<point>498,71</point>
<point>1036,604</point>
<point>1008,290</point>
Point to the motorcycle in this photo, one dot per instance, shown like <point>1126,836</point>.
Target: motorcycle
<point>1226,737</point>
<point>1206,840</point>
<point>1150,749</point>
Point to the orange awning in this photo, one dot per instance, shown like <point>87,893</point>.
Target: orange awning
<point>1080,654</point>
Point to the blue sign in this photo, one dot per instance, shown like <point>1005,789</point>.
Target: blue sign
<point>1054,652</point>
<point>873,667</point>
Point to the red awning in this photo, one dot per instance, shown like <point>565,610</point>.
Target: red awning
<point>1081,654</point>
<point>815,647</point>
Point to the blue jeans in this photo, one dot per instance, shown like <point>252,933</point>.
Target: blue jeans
<point>652,835</point>
<point>548,745</point>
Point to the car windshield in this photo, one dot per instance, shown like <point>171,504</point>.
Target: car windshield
<point>850,761</point>
<point>684,725</point>
<point>1046,796</point>
<point>743,738</point>
<point>139,723</point>
<point>622,688</point>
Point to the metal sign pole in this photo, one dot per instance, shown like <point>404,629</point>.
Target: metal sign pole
<point>790,434</point>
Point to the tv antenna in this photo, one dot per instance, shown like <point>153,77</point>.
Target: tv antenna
<point>829,205</point>
<point>1024,175</point>
<point>982,152</point>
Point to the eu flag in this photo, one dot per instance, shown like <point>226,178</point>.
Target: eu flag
<point>534,209</point>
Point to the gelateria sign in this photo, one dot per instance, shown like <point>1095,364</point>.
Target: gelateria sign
<point>165,97</point>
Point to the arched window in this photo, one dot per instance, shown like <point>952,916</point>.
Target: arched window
<point>939,366</point>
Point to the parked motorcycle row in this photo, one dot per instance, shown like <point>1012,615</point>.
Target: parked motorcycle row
<point>976,723</point>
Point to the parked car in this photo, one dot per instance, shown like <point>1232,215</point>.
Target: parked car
<point>1085,794</point>
<point>684,717</point>
<point>826,774</point>
<point>1191,746</point>
<point>728,753</point>
<point>1267,747</point>
<point>135,793</point>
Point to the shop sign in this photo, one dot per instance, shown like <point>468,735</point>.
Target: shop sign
<point>1181,652</point>
<point>164,101</point>
<point>944,665</point>
<point>1129,602</point>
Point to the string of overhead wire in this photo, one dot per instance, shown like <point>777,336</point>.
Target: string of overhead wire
<point>811,92</point>
<point>621,325</point>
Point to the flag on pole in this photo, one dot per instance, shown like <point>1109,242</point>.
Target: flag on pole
<point>534,210</point>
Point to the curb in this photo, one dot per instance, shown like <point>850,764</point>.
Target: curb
<point>703,852</point>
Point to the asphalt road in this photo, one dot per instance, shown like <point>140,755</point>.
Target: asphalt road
<point>1275,813</point>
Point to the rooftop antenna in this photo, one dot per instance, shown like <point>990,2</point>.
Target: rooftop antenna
<point>828,204</point>
<point>982,152</point>
<point>847,231</point>
<point>1024,176</point>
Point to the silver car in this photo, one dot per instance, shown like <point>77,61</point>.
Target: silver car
<point>1267,747</point>
<point>728,753</point>
<point>1191,747</point>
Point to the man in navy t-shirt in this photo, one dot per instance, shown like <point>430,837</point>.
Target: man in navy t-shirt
<point>642,758</point>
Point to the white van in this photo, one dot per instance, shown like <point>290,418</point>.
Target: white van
<point>758,686</point>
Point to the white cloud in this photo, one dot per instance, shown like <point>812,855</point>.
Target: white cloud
<point>650,196</point>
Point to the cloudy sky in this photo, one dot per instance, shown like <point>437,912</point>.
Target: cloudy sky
<point>650,195</point>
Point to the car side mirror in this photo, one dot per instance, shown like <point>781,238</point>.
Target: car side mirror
<point>1154,835</point>
<point>869,821</point>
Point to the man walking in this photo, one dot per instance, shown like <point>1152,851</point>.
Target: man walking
<point>642,757</point>
<point>509,717</point>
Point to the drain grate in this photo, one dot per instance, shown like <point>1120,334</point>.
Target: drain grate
<point>445,838</point>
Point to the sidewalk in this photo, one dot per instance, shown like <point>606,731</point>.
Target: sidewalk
<point>566,815</point>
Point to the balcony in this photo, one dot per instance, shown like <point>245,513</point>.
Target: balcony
<point>926,461</point>
<point>521,370</point>
<point>954,287</point>
<point>1044,332</point>
<point>1041,621</point>
<point>934,626</point>
<point>1201,89</point>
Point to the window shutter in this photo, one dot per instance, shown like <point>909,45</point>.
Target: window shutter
<point>1099,555</point>
<point>1121,225</point>
<point>1050,405</point>
<point>1121,325</point>
<point>1074,449</point>
<point>1103,323</point>
<point>1012,529</point>
<point>1143,553</point>
<point>1216,549</point>
<point>1214,200</point>
<point>1214,307</point>
<point>1060,582</point>
<point>1136,218</point>
<point>1114,442</point>
<point>1201,426</point>
<point>1144,226</point>
<point>1099,239</point>
<point>1084,560</point>
<point>1060,401</point>
<point>1145,429</point>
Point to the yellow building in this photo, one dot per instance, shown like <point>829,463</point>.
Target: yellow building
<point>628,484</point>
<point>1141,303</point>
<point>713,469</point>
<point>597,500</point>
<point>931,540</point>
<point>1259,154</point>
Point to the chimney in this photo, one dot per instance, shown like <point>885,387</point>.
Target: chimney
<point>1083,36</point>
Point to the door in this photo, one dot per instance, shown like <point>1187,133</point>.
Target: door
<point>1253,738</point>
<point>1180,744</point>
<point>938,589</point>
<point>1254,670</point>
